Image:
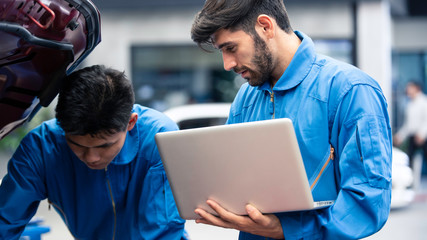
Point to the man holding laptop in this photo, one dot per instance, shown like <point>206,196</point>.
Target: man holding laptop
<point>339,114</point>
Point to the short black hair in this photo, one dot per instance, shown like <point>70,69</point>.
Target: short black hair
<point>95,100</point>
<point>236,15</point>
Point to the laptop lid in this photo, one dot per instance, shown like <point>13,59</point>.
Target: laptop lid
<point>255,162</point>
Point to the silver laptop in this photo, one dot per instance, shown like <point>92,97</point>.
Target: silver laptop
<point>255,162</point>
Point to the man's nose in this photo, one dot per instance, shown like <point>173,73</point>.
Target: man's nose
<point>229,62</point>
<point>91,155</point>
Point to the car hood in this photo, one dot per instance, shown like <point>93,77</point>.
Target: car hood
<point>41,41</point>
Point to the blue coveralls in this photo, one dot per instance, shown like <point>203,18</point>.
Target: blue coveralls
<point>45,167</point>
<point>331,104</point>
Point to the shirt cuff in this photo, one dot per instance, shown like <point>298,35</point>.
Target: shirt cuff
<point>295,227</point>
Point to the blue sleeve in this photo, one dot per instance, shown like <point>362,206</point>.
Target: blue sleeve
<point>160,218</point>
<point>21,191</point>
<point>158,214</point>
<point>361,134</point>
<point>235,114</point>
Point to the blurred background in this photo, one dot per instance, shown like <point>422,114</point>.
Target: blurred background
<point>150,41</point>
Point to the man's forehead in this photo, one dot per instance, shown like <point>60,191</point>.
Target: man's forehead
<point>223,36</point>
<point>216,37</point>
<point>92,140</point>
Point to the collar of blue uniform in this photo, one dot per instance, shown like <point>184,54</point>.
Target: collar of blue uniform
<point>130,147</point>
<point>299,67</point>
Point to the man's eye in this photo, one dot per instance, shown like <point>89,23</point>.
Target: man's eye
<point>230,49</point>
<point>105,146</point>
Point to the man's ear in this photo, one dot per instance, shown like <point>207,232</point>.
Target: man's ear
<point>132,121</point>
<point>266,25</point>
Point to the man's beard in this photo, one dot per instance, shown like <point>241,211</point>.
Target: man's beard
<point>262,61</point>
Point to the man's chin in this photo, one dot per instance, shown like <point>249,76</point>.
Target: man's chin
<point>254,83</point>
<point>96,166</point>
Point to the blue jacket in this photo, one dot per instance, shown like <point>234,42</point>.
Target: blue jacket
<point>331,104</point>
<point>45,167</point>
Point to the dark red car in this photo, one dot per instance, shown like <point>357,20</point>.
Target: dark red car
<point>40,42</point>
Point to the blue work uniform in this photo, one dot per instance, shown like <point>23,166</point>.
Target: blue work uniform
<point>332,105</point>
<point>130,199</point>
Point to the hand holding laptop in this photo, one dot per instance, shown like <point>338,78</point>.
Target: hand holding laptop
<point>255,222</point>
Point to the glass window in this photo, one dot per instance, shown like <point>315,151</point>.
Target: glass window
<point>340,49</point>
<point>168,76</point>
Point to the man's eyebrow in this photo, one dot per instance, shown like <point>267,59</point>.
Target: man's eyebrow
<point>222,45</point>
<point>99,146</point>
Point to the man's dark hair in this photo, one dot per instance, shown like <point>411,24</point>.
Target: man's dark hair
<point>95,100</point>
<point>236,15</point>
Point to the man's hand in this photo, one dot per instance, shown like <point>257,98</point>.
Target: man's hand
<point>267,225</point>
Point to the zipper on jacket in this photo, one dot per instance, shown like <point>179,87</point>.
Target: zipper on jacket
<point>331,157</point>
<point>112,202</point>
<point>272,103</point>
<point>358,143</point>
<point>63,214</point>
